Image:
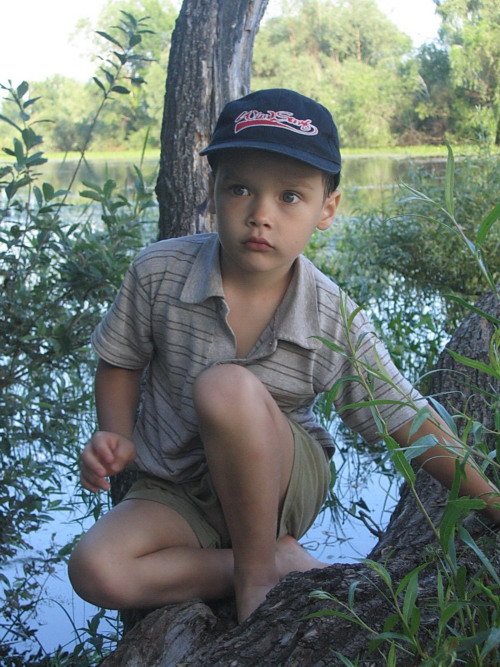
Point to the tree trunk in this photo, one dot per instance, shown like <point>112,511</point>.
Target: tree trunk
<point>209,64</point>
<point>201,635</point>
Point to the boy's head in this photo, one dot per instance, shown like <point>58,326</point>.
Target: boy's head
<point>280,121</point>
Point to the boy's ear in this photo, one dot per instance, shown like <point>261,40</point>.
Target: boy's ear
<point>211,193</point>
<point>329,210</point>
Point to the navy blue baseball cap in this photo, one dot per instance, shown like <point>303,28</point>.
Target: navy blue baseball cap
<point>281,121</point>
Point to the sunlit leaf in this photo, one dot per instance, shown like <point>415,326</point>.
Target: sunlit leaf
<point>450,181</point>
<point>486,224</point>
<point>109,38</point>
<point>121,90</point>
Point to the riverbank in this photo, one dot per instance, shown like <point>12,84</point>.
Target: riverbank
<point>426,151</point>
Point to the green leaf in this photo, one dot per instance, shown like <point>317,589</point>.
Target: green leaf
<point>422,415</point>
<point>352,316</point>
<point>38,195</point>
<point>121,90</point>
<point>351,593</point>
<point>90,194</point>
<point>407,578</point>
<point>464,303</point>
<point>450,181</point>
<point>92,186</point>
<point>492,641</point>
<point>48,191</point>
<point>473,363</point>
<point>399,460</point>
<point>11,122</point>
<point>22,89</point>
<point>486,224</point>
<point>30,138</point>
<point>343,659</point>
<point>448,612</point>
<point>444,414</point>
<point>108,187</point>
<point>410,596</point>
<point>384,636</point>
<point>99,83</point>
<point>28,103</point>
<point>331,345</point>
<point>19,151</point>
<point>390,622</point>
<point>379,569</point>
<point>134,40</point>
<point>466,537</point>
<point>109,77</point>
<point>420,446</point>
<point>121,57</point>
<point>109,38</point>
<point>36,160</point>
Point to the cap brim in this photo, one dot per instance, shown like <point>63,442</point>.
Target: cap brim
<point>329,166</point>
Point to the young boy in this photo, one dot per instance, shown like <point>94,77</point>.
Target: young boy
<point>234,465</point>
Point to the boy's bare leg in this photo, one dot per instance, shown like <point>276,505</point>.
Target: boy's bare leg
<point>250,449</point>
<point>142,554</point>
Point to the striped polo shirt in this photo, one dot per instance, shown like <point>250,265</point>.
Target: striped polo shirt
<point>170,317</point>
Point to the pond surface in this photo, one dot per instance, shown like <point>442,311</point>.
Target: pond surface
<point>365,180</point>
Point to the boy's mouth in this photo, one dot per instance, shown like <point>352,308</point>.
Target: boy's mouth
<point>258,243</point>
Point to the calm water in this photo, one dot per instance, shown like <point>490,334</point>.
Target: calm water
<point>364,180</point>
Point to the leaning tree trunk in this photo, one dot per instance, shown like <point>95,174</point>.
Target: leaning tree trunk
<point>209,64</point>
<point>201,635</point>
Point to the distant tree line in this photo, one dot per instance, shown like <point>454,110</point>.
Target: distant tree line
<point>345,53</point>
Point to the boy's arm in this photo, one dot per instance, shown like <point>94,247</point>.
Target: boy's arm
<point>439,461</point>
<point>110,449</point>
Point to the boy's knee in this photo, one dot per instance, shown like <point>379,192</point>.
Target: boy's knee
<point>224,386</point>
<point>96,578</point>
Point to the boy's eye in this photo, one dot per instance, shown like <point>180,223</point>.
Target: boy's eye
<point>239,190</point>
<point>290,198</point>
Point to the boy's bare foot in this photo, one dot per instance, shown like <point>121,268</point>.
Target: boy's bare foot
<point>291,557</point>
<point>249,597</point>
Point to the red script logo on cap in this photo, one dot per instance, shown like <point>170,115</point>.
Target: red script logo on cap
<point>284,119</point>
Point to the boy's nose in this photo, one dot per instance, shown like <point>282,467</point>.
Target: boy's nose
<point>261,213</point>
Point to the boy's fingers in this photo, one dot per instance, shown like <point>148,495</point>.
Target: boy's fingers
<point>93,482</point>
<point>92,463</point>
<point>103,446</point>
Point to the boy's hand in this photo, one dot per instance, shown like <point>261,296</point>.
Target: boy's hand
<point>104,454</point>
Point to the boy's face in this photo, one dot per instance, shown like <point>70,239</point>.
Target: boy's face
<point>267,207</point>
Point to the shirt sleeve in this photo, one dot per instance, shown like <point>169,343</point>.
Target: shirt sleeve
<point>367,374</point>
<point>124,336</point>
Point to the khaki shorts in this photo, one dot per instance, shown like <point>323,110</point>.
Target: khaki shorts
<point>198,503</point>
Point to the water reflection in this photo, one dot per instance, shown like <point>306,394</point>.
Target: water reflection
<point>366,180</point>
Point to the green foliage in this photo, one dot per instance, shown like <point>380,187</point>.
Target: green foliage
<point>467,600</point>
<point>471,30</point>
<point>345,55</point>
<point>351,58</point>
<point>59,269</point>
<point>401,260</point>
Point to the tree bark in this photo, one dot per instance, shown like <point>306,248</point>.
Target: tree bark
<point>201,635</point>
<point>209,64</point>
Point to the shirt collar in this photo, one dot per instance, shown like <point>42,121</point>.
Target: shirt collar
<point>204,279</point>
<point>297,318</point>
